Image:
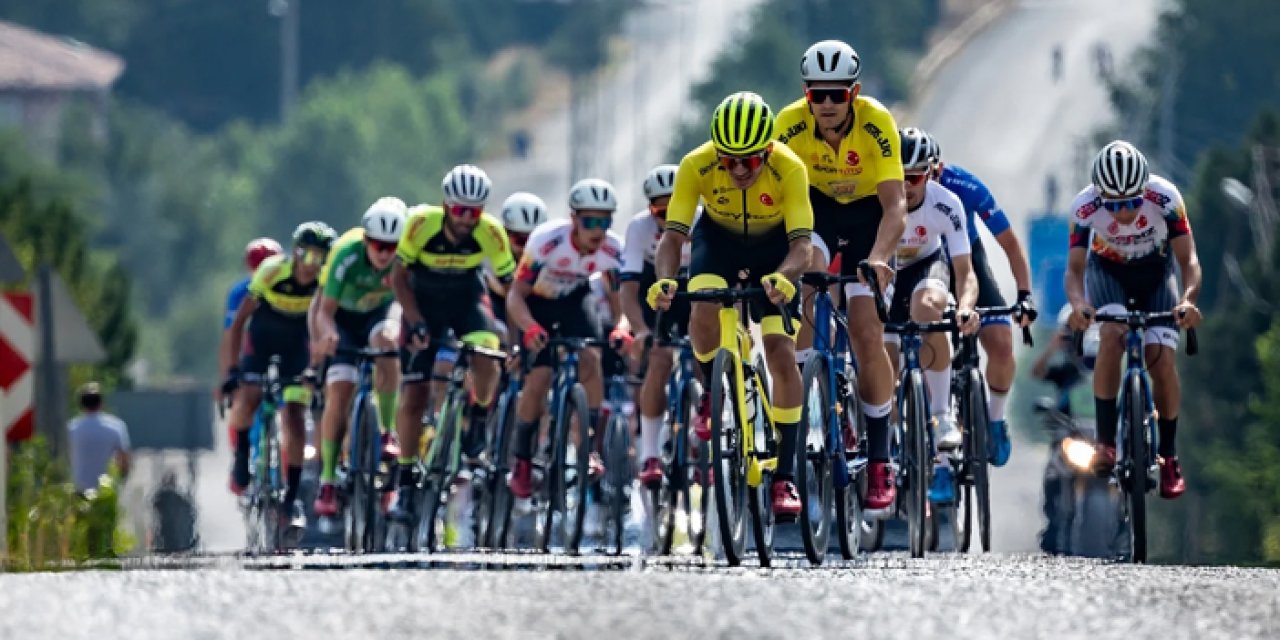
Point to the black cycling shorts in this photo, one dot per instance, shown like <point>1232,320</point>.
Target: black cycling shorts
<point>911,277</point>
<point>1152,286</point>
<point>271,334</point>
<point>354,329</point>
<point>720,252</point>
<point>565,317</point>
<point>462,311</point>
<point>849,230</point>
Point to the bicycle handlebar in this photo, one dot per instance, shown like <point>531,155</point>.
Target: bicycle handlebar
<point>1141,320</point>
<point>730,296</point>
<point>367,352</point>
<point>824,279</point>
<point>1014,311</point>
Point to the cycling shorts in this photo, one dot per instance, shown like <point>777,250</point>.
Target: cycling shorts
<point>735,259</point>
<point>849,231</point>
<point>1153,287</point>
<point>564,317</point>
<point>675,320</point>
<point>927,273</point>
<point>469,318</point>
<point>274,335</point>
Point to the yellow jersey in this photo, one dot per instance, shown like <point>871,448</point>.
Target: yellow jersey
<point>868,154</point>
<point>274,284</point>
<point>424,245</point>
<point>780,196</point>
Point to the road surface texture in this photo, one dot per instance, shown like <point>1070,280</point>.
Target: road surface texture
<point>1007,596</point>
<point>998,112</point>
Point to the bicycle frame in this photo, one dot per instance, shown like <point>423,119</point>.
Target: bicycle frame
<point>835,350</point>
<point>1135,364</point>
<point>363,389</point>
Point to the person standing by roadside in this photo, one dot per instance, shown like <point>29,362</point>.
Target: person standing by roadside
<point>96,438</point>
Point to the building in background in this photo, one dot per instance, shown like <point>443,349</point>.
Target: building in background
<point>42,75</point>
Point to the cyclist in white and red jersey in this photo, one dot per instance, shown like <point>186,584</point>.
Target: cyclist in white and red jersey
<point>1128,229</point>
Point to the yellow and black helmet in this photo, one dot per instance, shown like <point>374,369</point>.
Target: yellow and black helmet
<point>742,124</point>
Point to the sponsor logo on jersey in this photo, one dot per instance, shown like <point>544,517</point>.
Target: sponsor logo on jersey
<point>766,200</point>
<point>550,246</point>
<point>956,223</point>
<point>591,266</point>
<point>852,158</point>
<point>1113,228</point>
<point>1160,199</point>
<point>921,231</point>
<point>563,262</point>
<point>885,149</point>
<point>1142,222</point>
<point>1088,209</point>
<point>792,131</point>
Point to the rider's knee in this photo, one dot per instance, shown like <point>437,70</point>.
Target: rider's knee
<point>927,305</point>
<point>997,340</point>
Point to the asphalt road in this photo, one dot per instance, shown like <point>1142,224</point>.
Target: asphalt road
<point>887,596</point>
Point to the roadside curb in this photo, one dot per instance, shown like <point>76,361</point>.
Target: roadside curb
<point>947,47</point>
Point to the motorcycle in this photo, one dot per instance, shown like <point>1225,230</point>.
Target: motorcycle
<point>1082,509</point>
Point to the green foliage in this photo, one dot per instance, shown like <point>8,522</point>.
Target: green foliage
<point>768,59</point>
<point>49,523</point>
<point>1223,53</point>
<point>209,63</point>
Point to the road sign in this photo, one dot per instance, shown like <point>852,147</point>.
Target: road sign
<point>17,365</point>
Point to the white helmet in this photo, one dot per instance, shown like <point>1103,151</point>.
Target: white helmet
<point>467,184</point>
<point>830,61</point>
<point>522,211</point>
<point>384,220</point>
<point>1120,170</point>
<point>661,181</point>
<point>592,194</point>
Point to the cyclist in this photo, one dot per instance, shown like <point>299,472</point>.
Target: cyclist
<point>996,334</point>
<point>522,212</point>
<point>756,219</point>
<point>849,144</point>
<point>551,291</point>
<point>279,296</point>
<point>354,310</point>
<point>643,233</point>
<point>436,281</point>
<point>923,285</point>
<point>1128,228</point>
<point>255,252</point>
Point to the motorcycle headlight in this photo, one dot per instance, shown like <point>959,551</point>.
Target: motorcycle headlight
<point>1078,453</point>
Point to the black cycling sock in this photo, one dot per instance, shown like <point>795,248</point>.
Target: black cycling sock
<point>1168,433</point>
<point>878,438</point>
<point>1105,412</point>
<point>240,464</point>
<point>787,433</point>
<point>294,477</point>
<point>474,440</point>
<point>526,434</point>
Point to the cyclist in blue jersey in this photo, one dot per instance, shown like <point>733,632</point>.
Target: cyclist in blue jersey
<point>996,335</point>
<point>257,250</point>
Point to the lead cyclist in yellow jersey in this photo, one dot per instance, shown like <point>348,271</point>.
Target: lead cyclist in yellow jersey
<point>756,219</point>
<point>849,145</point>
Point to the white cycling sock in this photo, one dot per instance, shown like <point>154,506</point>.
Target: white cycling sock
<point>650,432</point>
<point>803,355</point>
<point>995,403</point>
<point>939,384</point>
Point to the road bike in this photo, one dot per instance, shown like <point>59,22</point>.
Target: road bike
<point>365,481</point>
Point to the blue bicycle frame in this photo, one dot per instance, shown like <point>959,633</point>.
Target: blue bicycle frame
<point>837,356</point>
<point>1135,366</point>
<point>357,419</point>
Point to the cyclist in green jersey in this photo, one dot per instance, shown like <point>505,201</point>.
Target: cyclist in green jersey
<point>354,310</point>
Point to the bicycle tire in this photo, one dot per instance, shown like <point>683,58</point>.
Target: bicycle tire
<point>673,493</point>
<point>728,460</point>
<point>1136,460</point>
<point>574,497</point>
<point>918,462</point>
<point>497,524</point>
<point>618,471</point>
<point>816,486</point>
<point>977,458</point>
<point>697,475</point>
<point>760,497</point>
<point>438,476</point>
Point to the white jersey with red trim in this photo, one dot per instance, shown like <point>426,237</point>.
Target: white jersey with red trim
<point>556,268</point>
<point>641,247</point>
<point>939,217</point>
<point>1161,218</point>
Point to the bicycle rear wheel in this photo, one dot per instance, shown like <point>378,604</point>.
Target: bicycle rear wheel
<point>437,480</point>
<point>1135,435</point>
<point>672,496</point>
<point>574,468</point>
<point>813,463</point>
<point>728,459</point>
<point>917,462</point>
<point>618,475</point>
<point>977,424</point>
<point>496,512</point>
<point>848,500</point>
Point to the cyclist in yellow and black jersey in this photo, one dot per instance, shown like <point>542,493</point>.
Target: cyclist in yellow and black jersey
<point>756,219</point>
<point>849,144</point>
<point>279,295</point>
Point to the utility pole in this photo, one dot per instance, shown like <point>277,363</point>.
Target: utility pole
<point>1165,134</point>
<point>288,12</point>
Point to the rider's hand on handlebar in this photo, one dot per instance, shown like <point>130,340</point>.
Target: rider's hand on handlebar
<point>884,274</point>
<point>418,336</point>
<point>231,381</point>
<point>535,337</point>
<point>660,294</point>
<point>1026,313</point>
<point>1187,315</point>
<point>969,321</point>
<point>1081,316</point>
<point>620,339</point>
<point>779,289</point>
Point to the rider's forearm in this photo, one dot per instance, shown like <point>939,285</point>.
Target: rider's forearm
<point>518,308</point>
<point>631,306</point>
<point>894,221</point>
<point>667,259</point>
<point>797,260</point>
<point>968,282</point>
<point>1008,241</point>
<point>1074,280</point>
<point>224,352</point>
<point>1189,265</point>
<point>404,294</point>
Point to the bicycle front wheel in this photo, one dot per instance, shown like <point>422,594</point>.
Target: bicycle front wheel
<point>1135,438</point>
<point>813,463</point>
<point>575,430</point>
<point>496,518</point>
<point>728,459</point>
<point>618,475</point>
<point>978,426</point>
<point>439,474</point>
<point>918,462</point>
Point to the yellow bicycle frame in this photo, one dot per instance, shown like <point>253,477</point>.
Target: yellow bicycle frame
<point>735,339</point>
